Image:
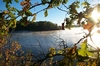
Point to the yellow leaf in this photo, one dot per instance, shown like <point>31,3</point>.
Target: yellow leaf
<point>34,18</point>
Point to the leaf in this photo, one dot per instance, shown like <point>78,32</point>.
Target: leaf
<point>28,13</point>
<point>84,45</point>
<point>60,51</point>
<point>23,3</point>
<point>7,1</point>
<point>89,53</point>
<point>73,7</point>
<point>23,21</point>
<point>43,2</point>
<point>14,23</point>
<point>85,4</point>
<point>7,6</point>
<point>4,27</point>
<point>52,51</point>
<point>1,55</point>
<point>16,1</point>
<point>34,14</point>
<point>73,10</point>
<point>34,18</point>
<point>83,51</point>
<point>88,26</point>
<point>5,12</point>
<point>64,1</point>
<point>46,13</point>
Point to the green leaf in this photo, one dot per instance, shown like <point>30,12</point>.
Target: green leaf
<point>85,4</point>
<point>64,1</point>
<point>60,51</point>
<point>12,57</point>
<point>22,23</point>
<point>51,58</point>
<point>51,49</point>
<point>4,27</point>
<point>50,54</point>
<point>83,51</point>
<point>14,23</point>
<point>43,1</point>
<point>46,13</point>
<point>1,56</point>
<point>7,1</point>
<point>16,1</point>
<point>7,6</point>
<point>89,53</point>
<point>28,13</point>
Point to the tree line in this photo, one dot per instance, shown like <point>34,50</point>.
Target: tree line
<point>36,26</point>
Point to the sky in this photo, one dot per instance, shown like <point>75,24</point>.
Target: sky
<point>54,15</point>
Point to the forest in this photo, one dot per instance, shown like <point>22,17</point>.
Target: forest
<point>37,26</point>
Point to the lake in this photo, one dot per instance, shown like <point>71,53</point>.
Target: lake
<point>39,42</point>
<point>47,39</point>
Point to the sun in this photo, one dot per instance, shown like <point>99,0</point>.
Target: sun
<point>95,15</point>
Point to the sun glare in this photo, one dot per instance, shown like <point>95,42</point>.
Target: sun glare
<point>95,15</point>
<point>94,40</point>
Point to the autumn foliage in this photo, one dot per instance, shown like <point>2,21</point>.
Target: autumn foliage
<point>88,26</point>
<point>11,53</point>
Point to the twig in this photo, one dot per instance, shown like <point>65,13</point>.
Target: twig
<point>62,10</point>
<point>36,6</point>
<point>40,46</point>
<point>41,60</point>
<point>39,4</point>
<point>65,6</point>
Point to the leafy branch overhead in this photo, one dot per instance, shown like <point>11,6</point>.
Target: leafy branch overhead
<point>27,5</point>
<point>71,9</point>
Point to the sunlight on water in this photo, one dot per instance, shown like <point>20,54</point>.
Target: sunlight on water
<point>48,39</point>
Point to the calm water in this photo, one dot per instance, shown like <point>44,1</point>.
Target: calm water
<point>47,39</point>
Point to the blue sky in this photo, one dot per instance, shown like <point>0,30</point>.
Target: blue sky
<point>54,15</point>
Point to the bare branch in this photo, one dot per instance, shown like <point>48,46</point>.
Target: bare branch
<point>41,10</point>
<point>65,6</point>
<point>41,60</point>
<point>39,4</point>
<point>40,46</point>
<point>62,9</point>
<point>36,6</point>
